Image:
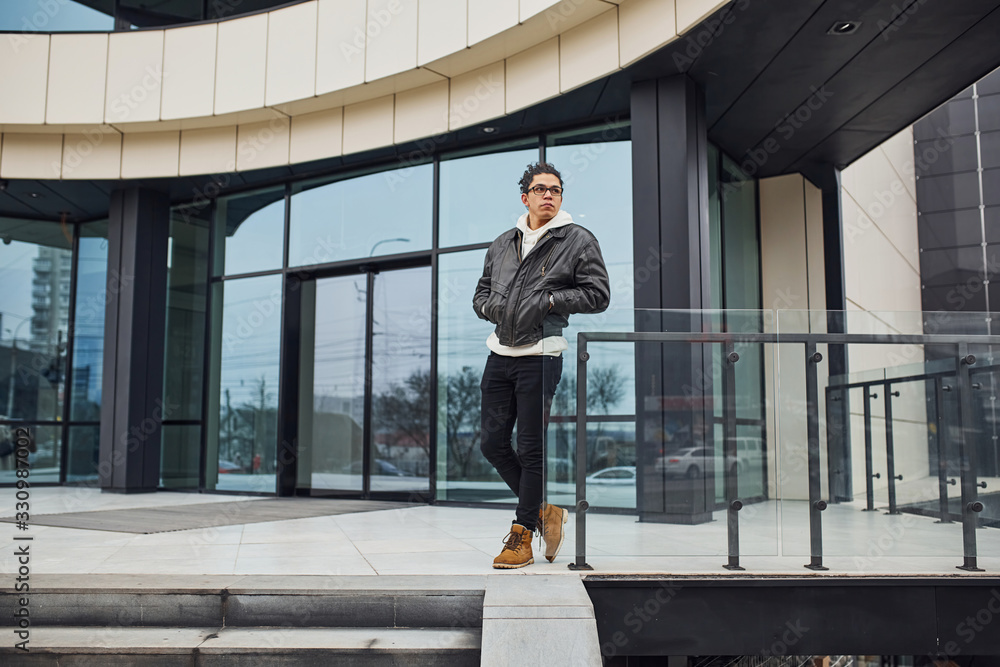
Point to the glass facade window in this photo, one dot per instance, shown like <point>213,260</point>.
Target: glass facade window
<point>187,292</point>
<point>476,202</point>
<point>184,379</point>
<point>385,213</point>
<point>596,167</point>
<point>242,446</point>
<point>401,381</point>
<point>37,274</point>
<point>34,319</point>
<point>84,449</point>
<point>92,291</point>
<point>463,473</point>
<point>88,338</point>
<point>332,384</point>
<point>734,277</point>
<point>595,164</point>
<point>250,232</point>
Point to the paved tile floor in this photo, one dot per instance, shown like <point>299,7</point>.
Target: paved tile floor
<point>423,540</point>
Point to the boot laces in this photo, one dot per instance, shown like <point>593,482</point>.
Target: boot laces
<point>512,541</point>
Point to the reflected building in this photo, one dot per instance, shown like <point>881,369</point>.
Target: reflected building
<point>50,297</point>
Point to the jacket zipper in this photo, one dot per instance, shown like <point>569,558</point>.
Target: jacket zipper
<point>520,265</point>
<point>546,262</point>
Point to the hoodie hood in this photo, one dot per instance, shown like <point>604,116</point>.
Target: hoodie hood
<point>561,219</point>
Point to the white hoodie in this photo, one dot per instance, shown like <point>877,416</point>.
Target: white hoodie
<point>553,345</point>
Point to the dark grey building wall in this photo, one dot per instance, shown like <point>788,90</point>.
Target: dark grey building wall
<point>957,164</point>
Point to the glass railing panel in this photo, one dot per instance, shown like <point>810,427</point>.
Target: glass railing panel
<point>661,482</point>
<point>903,441</point>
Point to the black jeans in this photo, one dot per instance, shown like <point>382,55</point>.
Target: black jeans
<point>519,390</point>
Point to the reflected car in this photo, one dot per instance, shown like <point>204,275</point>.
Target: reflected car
<point>380,467</point>
<point>226,467</point>
<point>690,462</point>
<point>617,475</point>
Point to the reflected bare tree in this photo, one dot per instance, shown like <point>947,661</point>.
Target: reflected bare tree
<point>605,390</point>
<point>462,410</point>
<point>403,410</point>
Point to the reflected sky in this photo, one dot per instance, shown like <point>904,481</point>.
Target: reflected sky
<point>251,335</point>
<point>15,276</point>
<point>51,16</point>
<point>380,214</point>
<point>480,198</point>
<point>88,354</point>
<point>256,242</point>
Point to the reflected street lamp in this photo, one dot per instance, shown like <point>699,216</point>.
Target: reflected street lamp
<point>372,251</point>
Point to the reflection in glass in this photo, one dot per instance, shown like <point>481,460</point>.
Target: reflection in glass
<point>62,15</point>
<point>180,456</point>
<point>332,384</point>
<point>44,452</point>
<point>88,331</point>
<point>187,266</point>
<point>597,173</point>
<point>401,381</point>
<point>379,214</point>
<point>84,449</point>
<point>462,471</point>
<point>251,229</point>
<point>480,198</point>
<point>34,320</point>
<point>246,391</point>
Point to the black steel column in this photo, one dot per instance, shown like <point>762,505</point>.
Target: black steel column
<point>671,259</point>
<point>967,459</point>
<point>729,456</point>
<point>942,459</point>
<point>581,455</point>
<point>826,177</point>
<point>816,504</point>
<point>288,387</point>
<point>869,475</point>
<point>132,408</point>
<point>890,450</point>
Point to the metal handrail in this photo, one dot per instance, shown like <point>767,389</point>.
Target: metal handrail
<point>970,505</point>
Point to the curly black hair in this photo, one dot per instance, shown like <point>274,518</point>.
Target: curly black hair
<point>535,169</point>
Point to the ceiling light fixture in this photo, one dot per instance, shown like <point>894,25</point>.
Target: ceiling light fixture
<point>844,28</point>
<point>489,129</point>
<point>34,195</point>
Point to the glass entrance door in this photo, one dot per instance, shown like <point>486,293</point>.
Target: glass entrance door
<point>364,384</point>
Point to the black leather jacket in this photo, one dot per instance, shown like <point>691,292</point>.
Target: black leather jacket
<point>514,295</point>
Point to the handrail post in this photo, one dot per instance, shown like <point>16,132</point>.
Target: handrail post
<point>942,457</point>
<point>582,356</point>
<point>967,456</point>
<point>869,474</point>
<point>729,455</point>
<point>816,504</point>
<point>890,449</point>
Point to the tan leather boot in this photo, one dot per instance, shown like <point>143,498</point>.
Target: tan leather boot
<point>516,549</point>
<point>550,522</point>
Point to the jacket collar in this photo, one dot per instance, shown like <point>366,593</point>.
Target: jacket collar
<point>556,226</point>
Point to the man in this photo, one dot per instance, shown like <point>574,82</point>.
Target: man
<point>534,277</point>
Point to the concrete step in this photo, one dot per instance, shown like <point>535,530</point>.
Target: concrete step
<point>261,646</point>
<point>294,601</point>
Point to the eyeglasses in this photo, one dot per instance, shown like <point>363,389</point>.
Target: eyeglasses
<point>540,190</point>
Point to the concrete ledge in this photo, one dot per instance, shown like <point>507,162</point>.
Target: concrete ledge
<point>241,646</point>
<point>294,601</point>
<point>258,584</point>
<point>553,614</point>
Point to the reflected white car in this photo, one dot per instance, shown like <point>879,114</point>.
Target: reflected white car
<point>691,462</point>
<point>617,475</point>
